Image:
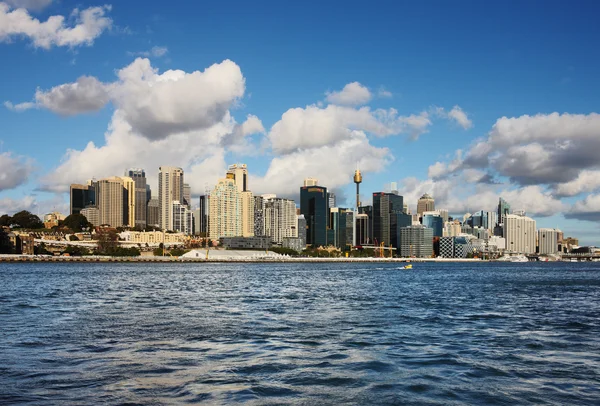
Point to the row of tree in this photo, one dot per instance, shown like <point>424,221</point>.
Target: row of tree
<point>22,219</point>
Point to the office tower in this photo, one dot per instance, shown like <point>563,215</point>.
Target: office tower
<point>247,202</point>
<point>129,195</point>
<point>152,213</point>
<point>332,200</point>
<point>314,207</point>
<point>196,221</point>
<point>92,214</point>
<point>225,210</point>
<point>259,217</point>
<point>368,232</point>
<point>141,194</point>
<point>170,188</point>
<point>503,210</point>
<point>388,218</point>
<point>350,227</point>
<point>280,218</point>
<point>301,229</point>
<point>202,222</point>
<point>82,196</point>
<point>426,203</point>
<point>111,201</point>
<point>434,221</point>
<point>416,241</point>
<point>548,241</point>
<point>362,229</point>
<point>443,213</point>
<point>519,232</point>
<point>239,174</point>
<point>452,228</point>
<point>337,231</point>
<point>311,182</point>
<point>187,195</point>
<point>181,217</point>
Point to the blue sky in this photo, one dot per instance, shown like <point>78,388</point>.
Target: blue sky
<point>456,99</point>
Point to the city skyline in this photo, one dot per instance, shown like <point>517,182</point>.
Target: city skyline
<point>488,119</point>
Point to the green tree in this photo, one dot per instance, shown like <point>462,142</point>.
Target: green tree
<point>107,241</point>
<point>25,219</point>
<point>157,252</point>
<point>76,251</point>
<point>5,220</point>
<point>76,222</point>
<point>177,252</point>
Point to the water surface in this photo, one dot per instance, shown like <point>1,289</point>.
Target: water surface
<point>300,333</point>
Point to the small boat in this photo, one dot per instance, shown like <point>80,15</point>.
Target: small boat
<point>409,266</point>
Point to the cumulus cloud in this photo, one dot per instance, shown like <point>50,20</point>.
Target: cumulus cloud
<point>155,105</point>
<point>20,107</point>
<point>11,206</point>
<point>14,170</point>
<point>35,5</point>
<point>542,149</point>
<point>457,115</point>
<point>383,93</point>
<point>237,141</point>
<point>87,25</point>
<point>332,163</point>
<point>587,209</point>
<point>353,94</point>
<point>314,126</point>
<point>155,51</point>
<point>586,181</point>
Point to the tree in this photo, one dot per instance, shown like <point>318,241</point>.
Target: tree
<point>5,220</point>
<point>5,245</point>
<point>177,252</point>
<point>107,241</point>
<point>76,222</point>
<point>25,219</point>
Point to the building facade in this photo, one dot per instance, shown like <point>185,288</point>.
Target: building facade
<point>111,202</point>
<point>425,203</point>
<point>141,201</point>
<point>520,234</point>
<point>225,210</point>
<point>416,241</point>
<point>170,189</point>
<point>314,207</point>
<point>280,220</point>
<point>239,174</point>
<point>247,202</point>
<point>129,203</point>
<point>182,218</point>
<point>548,241</point>
<point>259,217</point>
<point>152,213</point>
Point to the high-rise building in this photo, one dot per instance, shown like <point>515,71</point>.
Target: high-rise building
<point>310,182</point>
<point>368,231</point>
<point>141,194</point>
<point>92,214</point>
<point>259,217</point>
<point>152,212</point>
<point>503,210</point>
<point>129,204</point>
<point>170,189</point>
<point>416,241</point>
<point>388,218</point>
<point>247,202</point>
<point>434,221</point>
<point>452,228</point>
<point>519,232</point>
<point>425,203</point>
<point>280,218</point>
<point>548,240</point>
<point>239,173</point>
<point>182,218</point>
<point>225,210</point>
<point>82,196</point>
<point>443,213</point>
<point>187,195</point>
<point>202,222</point>
<point>111,201</point>
<point>337,221</point>
<point>301,229</point>
<point>332,200</point>
<point>314,207</point>
<point>362,229</point>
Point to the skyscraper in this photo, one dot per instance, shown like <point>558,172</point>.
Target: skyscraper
<point>170,188</point>
<point>82,196</point>
<point>503,210</point>
<point>426,203</point>
<point>202,222</point>
<point>225,210</point>
<point>239,173</point>
<point>259,218</point>
<point>311,182</point>
<point>247,202</point>
<point>388,217</point>
<point>187,195</point>
<point>519,232</point>
<point>314,207</point>
<point>434,221</point>
<point>332,200</point>
<point>141,194</point>
<point>129,195</point>
<point>152,213</point>
<point>111,201</point>
<point>280,218</point>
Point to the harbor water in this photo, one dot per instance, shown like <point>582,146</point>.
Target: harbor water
<point>305,333</point>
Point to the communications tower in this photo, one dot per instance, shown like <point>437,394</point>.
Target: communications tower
<point>357,180</point>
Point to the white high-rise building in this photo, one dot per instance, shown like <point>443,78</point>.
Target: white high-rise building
<point>280,218</point>
<point>182,218</point>
<point>170,189</point>
<point>311,182</point>
<point>548,240</point>
<point>239,174</point>
<point>247,202</point>
<point>225,210</point>
<point>519,232</point>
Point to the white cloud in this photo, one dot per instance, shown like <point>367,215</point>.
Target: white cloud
<point>586,181</point>
<point>313,126</point>
<point>14,171</point>
<point>155,105</point>
<point>383,93</point>
<point>586,209</point>
<point>333,163</point>
<point>155,51</point>
<point>11,206</point>
<point>21,107</point>
<point>457,114</point>
<point>237,141</point>
<point>35,5</point>
<point>85,95</point>
<point>353,94</point>
<point>88,25</point>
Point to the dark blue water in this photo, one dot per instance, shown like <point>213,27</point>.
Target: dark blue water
<point>300,334</point>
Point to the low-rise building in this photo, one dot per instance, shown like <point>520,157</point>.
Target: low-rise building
<point>152,237</point>
<point>262,243</point>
